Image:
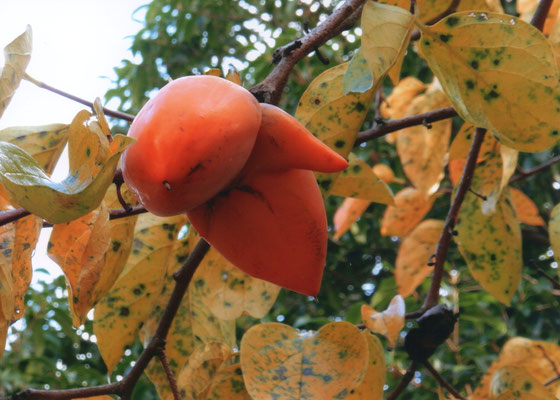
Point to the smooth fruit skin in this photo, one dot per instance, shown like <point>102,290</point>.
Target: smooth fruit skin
<point>194,137</point>
<point>284,143</point>
<point>272,226</point>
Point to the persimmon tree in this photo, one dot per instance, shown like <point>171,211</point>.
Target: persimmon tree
<point>457,106</point>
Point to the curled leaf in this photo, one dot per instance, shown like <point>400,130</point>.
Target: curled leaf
<point>388,323</point>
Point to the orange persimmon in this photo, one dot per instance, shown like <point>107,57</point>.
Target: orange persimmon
<point>194,137</point>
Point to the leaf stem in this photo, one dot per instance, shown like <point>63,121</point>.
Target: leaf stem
<point>111,113</point>
<point>526,173</point>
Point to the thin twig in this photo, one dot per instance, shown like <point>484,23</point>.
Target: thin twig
<point>405,380</point>
<point>12,215</point>
<point>552,380</point>
<point>106,111</point>
<point>442,246</point>
<point>169,373</point>
<point>526,173</point>
<point>442,382</point>
<point>397,124</point>
<point>541,271</point>
<point>271,88</point>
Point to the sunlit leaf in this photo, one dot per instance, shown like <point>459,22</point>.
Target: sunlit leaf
<point>332,116</point>
<point>44,143</point>
<point>371,387</point>
<point>423,151</point>
<point>388,323</point>
<point>411,205</point>
<point>385,33</point>
<point>491,244</point>
<point>359,181</point>
<point>199,371</point>
<point>17,55</point>
<point>492,65</point>
<point>229,292</point>
<point>349,212</point>
<point>463,140</point>
<point>526,209</point>
<point>121,313</point>
<point>233,76</point>
<point>532,355</point>
<point>228,384</point>
<point>80,193</point>
<point>193,325</point>
<point>430,9</point>
<point>395,105</point>
<point>554,232</point>
<point>385,173</point>
<point>513,382</point>
<point>415,252</point>
<point>279,362</point>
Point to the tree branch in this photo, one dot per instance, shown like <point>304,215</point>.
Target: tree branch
<point>405,380</point>
<point>124,388</point>
<point>168,373</point>
<point>106,111</point>
<point>442,246</point>
<point>398,124</point>
<point>541,13</point>
<point>271,88</point>
<point>526,173</point>
<point>442,382</point>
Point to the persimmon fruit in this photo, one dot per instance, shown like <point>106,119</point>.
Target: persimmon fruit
<point>241,171</point>
<point>193,138</point>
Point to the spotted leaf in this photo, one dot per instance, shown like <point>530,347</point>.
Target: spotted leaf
<point>423,151</point>
<point>491,244</point>
<point>17,55</point>
<point>513,382</point>
<point>228,384</point>
<point>414,255</point>
<point>531,355</point>
<point>371,387</point>
<point>121,313</point>
<point>280,363</point>
<point>411,205</point>
<point>332,116</point>
<point>388,323</point>
<point>230,292</point>
<point>360,182</point>
<point>80,193</point>
<point>491,65</point>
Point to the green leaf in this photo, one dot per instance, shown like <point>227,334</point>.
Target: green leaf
<point>358,77</point>
<point>500,74</point>
<point>78,194</point>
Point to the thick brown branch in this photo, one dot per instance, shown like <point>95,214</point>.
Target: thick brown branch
<point>405,380</point>
<point>541,13</point>
<point>442,246</point>
<point>397,124</point>
<point>442,382</point>
<point>13,215</point>
<point>270,90</point>
<point>106,111</point>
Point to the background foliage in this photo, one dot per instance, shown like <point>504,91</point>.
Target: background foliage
<point>183,37</point>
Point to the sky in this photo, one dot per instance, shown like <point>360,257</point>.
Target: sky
<point>76,45</point>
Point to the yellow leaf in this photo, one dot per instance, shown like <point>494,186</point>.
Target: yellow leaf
<point>79,247</point>
<point>423,151</point>
<point>415,252</point>
<point>525,208</point>
<point>121,313</point>
<point>228,384</point>
<point>349,212</point>
<point>101,122</point>
<point>554,232</point>
<point>3,335</point>
<point>44,143</point>
<point>491,244</point>
<point>430,9</point>
<point>388,323</point>
<point>385,33</point>
<point>514,382</point>
<point>193,325</point>
<point>198,373</point>
<point>214,72</point>
<point>233,76</point>
<point>81,192</point>
<point>7,300</point>
<point>410,207</point>
<point>371,387</point>
<point>280,363</point>
<point>359,181</point>
<point>492,65</point>
<point>17,55</point>
<point>332,116</point>
<point>463,140</point>
<point>385,173</point>
<point>229,292</point>
<point>534,356</point>
<point>395,105</point>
